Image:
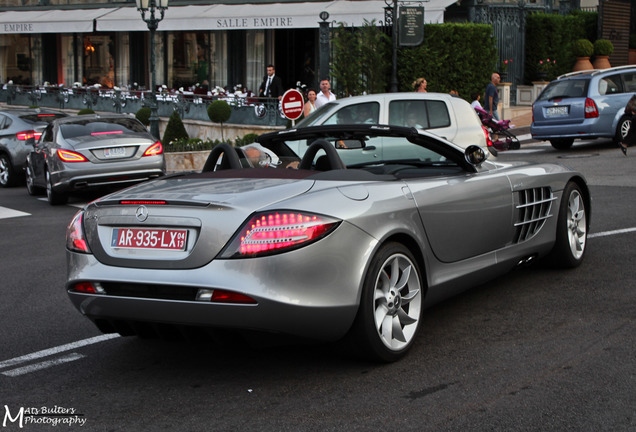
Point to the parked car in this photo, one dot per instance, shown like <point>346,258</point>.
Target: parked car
<point>584,105</point>
<point>92,151</point>
<point>323,251</point>
<point>444,115</point>
<point>17,127</point>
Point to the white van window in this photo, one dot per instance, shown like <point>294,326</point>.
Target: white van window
<point>421,114</point>
<point>364,113</point>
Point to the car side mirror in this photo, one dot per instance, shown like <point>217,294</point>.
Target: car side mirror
<point>475,155</point>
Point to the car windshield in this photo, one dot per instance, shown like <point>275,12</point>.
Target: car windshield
<point>569,88</point>
<point>311,119</point>
<point>96,127</point>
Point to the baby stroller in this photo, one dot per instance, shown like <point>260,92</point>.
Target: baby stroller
<point>498,129</point>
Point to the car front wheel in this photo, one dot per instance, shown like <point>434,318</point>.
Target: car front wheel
<point>571,233</point>
<point>391,305</point>
<point>53,197</point>
<point>32,189</point>
<point>7,174</point>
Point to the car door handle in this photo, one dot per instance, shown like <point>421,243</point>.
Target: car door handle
<point>369,148</point>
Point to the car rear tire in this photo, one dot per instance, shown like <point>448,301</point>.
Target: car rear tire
<point>562,143</point>
<point>32,189</point>
<point>571,233</point>
<point>391,305</point>
<point>54,198</point>
<point>7,173</point>
<point>622,129</point>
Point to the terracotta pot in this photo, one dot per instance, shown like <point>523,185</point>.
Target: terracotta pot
<point>601,62</point>
<point>582,63</point>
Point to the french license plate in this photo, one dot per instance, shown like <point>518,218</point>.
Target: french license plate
<point>115,152</point>
<point>149,238</point>
<point>557,111</point>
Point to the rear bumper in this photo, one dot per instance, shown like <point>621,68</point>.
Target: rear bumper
<point>579,130</point>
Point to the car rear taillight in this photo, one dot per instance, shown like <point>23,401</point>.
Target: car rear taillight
<point>154,150</point>
<point>88,287</point>
<point>25,135</point>
<point>75,238</point>
<point>70,156</point>
<point>590,109</point>
<point>223,296</point>
<point>276,232</point>
<point>488,140</point>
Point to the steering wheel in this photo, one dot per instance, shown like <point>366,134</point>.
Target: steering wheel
<point>332,155</point>
<point>230,158</point>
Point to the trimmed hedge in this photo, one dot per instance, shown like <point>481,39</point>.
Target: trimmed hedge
<point>459,57</point>
<point>174,130</point>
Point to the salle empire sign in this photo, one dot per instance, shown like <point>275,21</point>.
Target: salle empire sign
<point>241,23</point>
<point>19,28</point>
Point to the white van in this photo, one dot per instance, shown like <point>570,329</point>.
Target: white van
<point>444,115</point>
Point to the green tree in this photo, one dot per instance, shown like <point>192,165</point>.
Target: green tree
<point>219,111</point>
<point>174,129</point>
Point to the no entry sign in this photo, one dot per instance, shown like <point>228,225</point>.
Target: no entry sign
<point>292,103</point>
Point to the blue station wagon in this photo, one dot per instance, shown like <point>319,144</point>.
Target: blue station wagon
<point>584,105</point>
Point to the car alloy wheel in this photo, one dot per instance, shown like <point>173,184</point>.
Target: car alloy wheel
<point>6,171</point>
<point>391,304</point>
<point>32,189</point>
<point>571,235</point>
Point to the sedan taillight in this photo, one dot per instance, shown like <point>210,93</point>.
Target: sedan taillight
<point>25,135</point>
<point>75,238</point>
<point>275,232</point>
<point>154,150</point>
<point>70,156</point>
<point>591,111</point>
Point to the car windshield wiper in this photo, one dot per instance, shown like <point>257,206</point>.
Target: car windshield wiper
<point>559,97</point>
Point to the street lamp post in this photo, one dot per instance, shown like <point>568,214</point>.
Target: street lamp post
<point>151,6</point>
<point>324,46</point>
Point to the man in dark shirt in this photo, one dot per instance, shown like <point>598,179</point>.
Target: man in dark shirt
<point>492,96</point>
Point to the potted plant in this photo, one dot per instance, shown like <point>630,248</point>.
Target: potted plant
<point>603,48</point>
<point>582,50</point>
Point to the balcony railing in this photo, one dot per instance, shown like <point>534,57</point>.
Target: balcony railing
<point>246,109</point>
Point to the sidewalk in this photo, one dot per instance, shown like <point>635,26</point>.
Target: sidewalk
<point>520,117</point>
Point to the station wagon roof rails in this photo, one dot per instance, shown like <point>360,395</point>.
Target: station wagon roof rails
<point>578,73</point>
<point>615,68</point>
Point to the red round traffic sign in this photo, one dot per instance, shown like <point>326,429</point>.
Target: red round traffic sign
<point>293,104</point>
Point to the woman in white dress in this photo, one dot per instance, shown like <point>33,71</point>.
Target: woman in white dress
<point>310,105</point>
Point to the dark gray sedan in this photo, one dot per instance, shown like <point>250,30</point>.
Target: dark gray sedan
<point>329,245</point>
<point>92,151</point>
<point>18,129</point>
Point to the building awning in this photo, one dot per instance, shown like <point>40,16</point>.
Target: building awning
<point>208,17</point>
<point>50,21</point>
<point>263,15</point>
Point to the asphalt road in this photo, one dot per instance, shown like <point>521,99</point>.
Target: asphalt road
<point>535,350</point>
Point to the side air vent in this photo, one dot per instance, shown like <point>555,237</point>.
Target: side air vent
<point>532,211</point>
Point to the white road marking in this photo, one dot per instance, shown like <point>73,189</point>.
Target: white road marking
<point>42,365</point>
<point>6,213</point>
<point>609,233</point>
<point>524,137</point>
<point>55,350</point>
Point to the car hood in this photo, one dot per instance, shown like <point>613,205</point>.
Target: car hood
<point>211,210</point>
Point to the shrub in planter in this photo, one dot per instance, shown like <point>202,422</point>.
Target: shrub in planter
<point>143,115</point>
<point>247,139</point>
<point>219,111</point>
<point>583,48</point>
<point>84,111</point>
<point>174,129</point>
<point>603,47</point>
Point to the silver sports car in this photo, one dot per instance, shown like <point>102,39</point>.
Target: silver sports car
<point>343,241</point>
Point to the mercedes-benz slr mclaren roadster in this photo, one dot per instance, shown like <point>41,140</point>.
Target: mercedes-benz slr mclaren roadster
<point>320,232</point>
